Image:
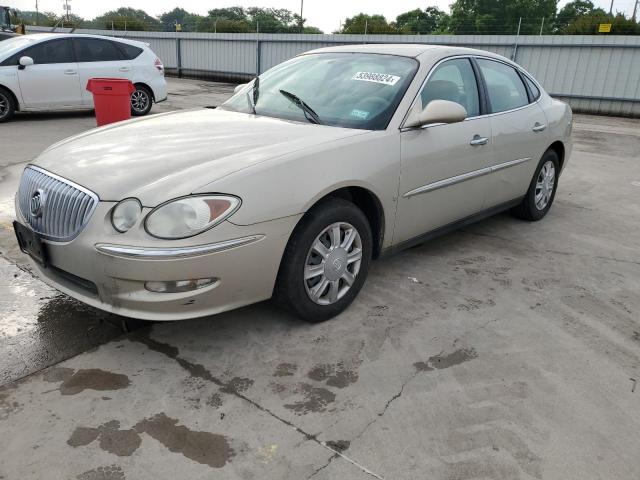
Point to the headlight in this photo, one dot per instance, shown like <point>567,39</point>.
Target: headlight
<point>125,214</point>
<point>189,216</point>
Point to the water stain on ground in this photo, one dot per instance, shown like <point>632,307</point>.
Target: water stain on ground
<point>108,472</point>
<point>316,399</point>
<point>203,447</point>
<point>338,445</point>
<point>334,375</point>
<point>91,379</point>
<point>441,361</point>
<point>285,370</point>
<point>57,374</point>
<point>237,384</point>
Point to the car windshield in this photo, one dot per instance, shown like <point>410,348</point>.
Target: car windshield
<point>353,90</point>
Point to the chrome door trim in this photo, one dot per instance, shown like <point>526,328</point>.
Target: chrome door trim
<point>171,253</point>
<point>447,182</point>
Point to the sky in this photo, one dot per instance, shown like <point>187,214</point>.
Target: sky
<point>324,14</point>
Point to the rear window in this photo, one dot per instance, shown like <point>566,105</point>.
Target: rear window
<point>130,51</point>
<point>535,91</point>
<point>505,88</point>
<point>96,50</point>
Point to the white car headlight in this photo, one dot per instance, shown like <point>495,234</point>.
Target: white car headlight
<point>125,214</point>
<point>189,216</point>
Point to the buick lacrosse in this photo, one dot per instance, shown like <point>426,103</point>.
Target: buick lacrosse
<point>291,187</point>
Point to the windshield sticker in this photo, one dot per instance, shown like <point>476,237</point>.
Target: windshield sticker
<point>359,114</point>
<point>383,78</point>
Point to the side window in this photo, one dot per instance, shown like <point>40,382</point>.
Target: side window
<point>535,91</point>
<point>130,51</point>
<point>96,50</point>
<point>505,88</point>
<point>453,80</point>
<point>53,51</point>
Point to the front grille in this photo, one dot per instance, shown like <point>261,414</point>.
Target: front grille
<point>54,207</point>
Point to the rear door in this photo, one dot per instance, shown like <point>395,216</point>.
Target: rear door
<point>99,58</point>
<point>52,82</point>
<point>519,128</point>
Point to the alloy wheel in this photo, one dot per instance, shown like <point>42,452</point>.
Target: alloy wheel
<point>4,106</point>
<point>333,263</point>
<point>544,185</point>
<point>139,101</point>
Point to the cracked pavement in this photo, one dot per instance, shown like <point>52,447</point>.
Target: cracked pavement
<point>505,350</point>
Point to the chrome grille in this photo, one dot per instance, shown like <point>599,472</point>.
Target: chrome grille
<point>65,207</point>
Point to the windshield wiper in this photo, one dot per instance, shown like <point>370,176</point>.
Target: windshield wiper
<point>256,93</point>
<point>309,113</point>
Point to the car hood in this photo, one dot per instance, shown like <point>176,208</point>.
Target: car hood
<point>169,155</point>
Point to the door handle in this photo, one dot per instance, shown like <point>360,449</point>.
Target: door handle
<point>478,140</point>
<point>125,69</point>
<point>539,127</point>
<point>70,72</point>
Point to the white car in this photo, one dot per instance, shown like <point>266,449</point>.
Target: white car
<point>50,71</point>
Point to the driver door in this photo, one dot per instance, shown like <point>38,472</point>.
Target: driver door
<point>52,82</point>
<point>444,166</point>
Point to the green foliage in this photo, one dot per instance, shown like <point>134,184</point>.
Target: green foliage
<point>372,23</point>
<point>429,20</point>
<point>45,19</point>
<point>498,16</point>
<point>588,25</point>
<point>127,18</point>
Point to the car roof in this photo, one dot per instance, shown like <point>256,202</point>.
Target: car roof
<point>39,37</point>
<point>413,50</point>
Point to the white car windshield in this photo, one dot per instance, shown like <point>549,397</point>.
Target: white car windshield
<point>353,90</point>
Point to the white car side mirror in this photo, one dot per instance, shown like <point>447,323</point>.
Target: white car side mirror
<point>437,111</point>
<point>26,61</point>
<point>239,87</point>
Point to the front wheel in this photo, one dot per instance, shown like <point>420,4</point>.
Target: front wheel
<point>542,189</point>
<point>141,101</point>
<point>7,107</point>
<point>326,261</point>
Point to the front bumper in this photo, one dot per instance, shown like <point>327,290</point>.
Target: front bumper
<point>108,270</point>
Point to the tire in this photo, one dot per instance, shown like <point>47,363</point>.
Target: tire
<point>141,101</point>
<point>294,292</point>
<point>539,198</point>
<point>7,106</point>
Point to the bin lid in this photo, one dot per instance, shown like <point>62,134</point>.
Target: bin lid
<point>110,86</point>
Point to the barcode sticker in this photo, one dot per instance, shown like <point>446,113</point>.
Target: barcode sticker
<point>383,78</point>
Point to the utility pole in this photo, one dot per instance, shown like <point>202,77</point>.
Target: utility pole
<point>635,10</point>
<point>37,14</point>
<point>301,18</point>
<point>366,25</point>
<point>611,8</point>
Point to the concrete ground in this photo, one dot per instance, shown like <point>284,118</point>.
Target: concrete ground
<point>506,350</point>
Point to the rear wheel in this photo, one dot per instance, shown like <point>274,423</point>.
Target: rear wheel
<point>542,189</point>
<point>7,106</point>
<point>326,261</point>
<point>141,101</point>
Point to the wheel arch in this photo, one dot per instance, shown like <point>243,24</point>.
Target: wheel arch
<point>559,149</point>
<point>369,203</point>
<point>16,103</point>
<point>148,87</point>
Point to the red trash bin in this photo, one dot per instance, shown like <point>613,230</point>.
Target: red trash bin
<point>112,99</point>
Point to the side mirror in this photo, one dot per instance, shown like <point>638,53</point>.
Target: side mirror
<point>437,111</point>
<point>25,62</point>
<point>239,87</point>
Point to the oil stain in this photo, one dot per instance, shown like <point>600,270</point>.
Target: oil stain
<point>108,472</point>
<point>285,370</point>
<point>237,384</point>
<point>316,399</point>
<point>92,379</point>
<point>338,445</point>
<point>203,447</point>
<point>334,375</point>
<point>215,400</point>
<point>441,361</point>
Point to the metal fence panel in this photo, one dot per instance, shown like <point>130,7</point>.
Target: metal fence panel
<point>594,73</point>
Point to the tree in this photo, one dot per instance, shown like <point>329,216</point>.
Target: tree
<point>429,20</point>
<point>46,19</point>
<point>498,16</point>
<point>370,23</point>
<point>572,11</point>
<point>588,25</point>
<point>127,18</point>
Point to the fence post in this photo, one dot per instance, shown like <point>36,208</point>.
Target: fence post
<point>178,57</point>
<point>515,45</point>
<point>257,49</point>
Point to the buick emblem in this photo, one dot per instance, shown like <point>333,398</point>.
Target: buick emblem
<point>337,264</point>
<point>36,205</point>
